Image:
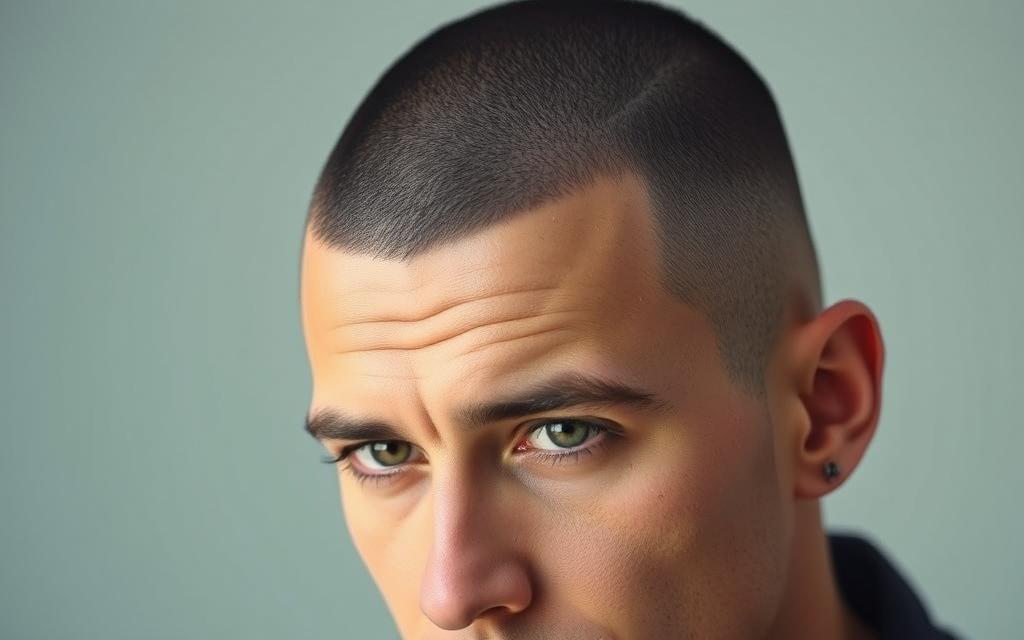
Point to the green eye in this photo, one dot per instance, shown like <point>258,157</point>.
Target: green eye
<point>563,434</point>
<point>384,453</point>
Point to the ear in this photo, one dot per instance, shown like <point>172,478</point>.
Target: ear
<point>838,375</point>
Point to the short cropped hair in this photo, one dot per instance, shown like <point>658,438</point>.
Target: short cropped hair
<point>496,113</point>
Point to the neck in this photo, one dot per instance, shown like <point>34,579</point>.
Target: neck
<point>811,606</point>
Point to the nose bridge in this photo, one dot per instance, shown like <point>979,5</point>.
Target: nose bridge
<point>458,519</point>
<point>472,567</point>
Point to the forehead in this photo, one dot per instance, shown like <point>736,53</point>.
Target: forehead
<point>572,280</point>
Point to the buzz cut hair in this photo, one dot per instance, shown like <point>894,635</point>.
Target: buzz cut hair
<point>522,103</point>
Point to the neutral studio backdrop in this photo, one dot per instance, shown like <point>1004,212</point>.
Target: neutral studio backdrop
<point>156,160</point>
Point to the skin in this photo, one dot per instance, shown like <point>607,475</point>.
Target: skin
<point>699,518</point>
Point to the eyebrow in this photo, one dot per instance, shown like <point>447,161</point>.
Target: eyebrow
<point>562,391</point>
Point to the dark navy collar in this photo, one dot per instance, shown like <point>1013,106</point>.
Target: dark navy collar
<point>878,594</point>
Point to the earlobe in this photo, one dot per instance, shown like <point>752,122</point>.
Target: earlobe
<point>840,383</point>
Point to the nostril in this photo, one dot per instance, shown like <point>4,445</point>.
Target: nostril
<point>496,611</point>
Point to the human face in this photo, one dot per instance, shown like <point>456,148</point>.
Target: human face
<point>664,517</point>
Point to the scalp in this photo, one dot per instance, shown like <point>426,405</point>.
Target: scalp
<point>495,114</point>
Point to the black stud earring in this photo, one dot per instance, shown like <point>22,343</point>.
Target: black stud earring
<point>831,470</point>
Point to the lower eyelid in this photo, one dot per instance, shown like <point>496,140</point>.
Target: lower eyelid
<point>363,477</point>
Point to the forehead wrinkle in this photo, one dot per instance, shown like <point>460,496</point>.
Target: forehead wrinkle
<point>455,286</point>
<point>509,310</point>
<point>503,330</point>
<point>449,307</point>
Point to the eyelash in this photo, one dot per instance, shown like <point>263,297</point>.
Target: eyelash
<point>572,455</point>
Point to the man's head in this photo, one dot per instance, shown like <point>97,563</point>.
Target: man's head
<point>494,114</point>
<point>562,306</point>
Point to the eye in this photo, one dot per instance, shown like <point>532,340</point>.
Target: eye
<point>558,435</point>
<point>374,456</point>
<point>383,454</point>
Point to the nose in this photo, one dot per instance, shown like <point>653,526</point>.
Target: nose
<point>472,571</point>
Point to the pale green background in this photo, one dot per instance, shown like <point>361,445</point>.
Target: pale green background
<point>155,163</point>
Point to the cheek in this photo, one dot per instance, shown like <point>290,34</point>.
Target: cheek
<point>375,528</point>
<point>368,540</point>
<point>689,536</point>
<point>733,547</point>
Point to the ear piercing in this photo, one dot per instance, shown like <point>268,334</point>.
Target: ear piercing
<point>831,470</point>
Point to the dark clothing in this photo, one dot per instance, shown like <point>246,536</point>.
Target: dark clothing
<point>878,594</point>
